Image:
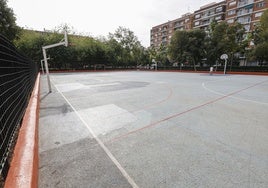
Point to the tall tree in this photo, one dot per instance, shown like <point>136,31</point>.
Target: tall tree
<point>187,46</point>
<point>216,42</point>
<point>236,41</point>
<point>159,55</point>
<point>260,38</point>
<point>8,26</point>
<point>177,46</point>
<point>195,48</point>
<point>223,38</point>
<point>114,52</point>
<point>130,44</point>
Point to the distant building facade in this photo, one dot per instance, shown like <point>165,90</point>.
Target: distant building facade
<point>206,14</point>
<point>246,12</point>
<point>161,34</point>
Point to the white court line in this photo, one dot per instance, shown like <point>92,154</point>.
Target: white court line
<point>107,151</point>
<point>238,98</point>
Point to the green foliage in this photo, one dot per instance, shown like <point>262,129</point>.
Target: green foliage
<point>30,43</point>
<point>216,42</point>
<point>177,46</point>
<point>8,26</point>
<point>260,39</point>
<point>187,46</point>
<point>130,51</point>
<point>264,22</point>
<point>261,52</point>
<point>225,39</point>
<point>195,45</point>
<point>120,49</point>
<point>159,55</point>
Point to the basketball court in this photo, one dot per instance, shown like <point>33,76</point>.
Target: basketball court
<point>153,129</point>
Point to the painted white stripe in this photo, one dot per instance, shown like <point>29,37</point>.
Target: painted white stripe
<point>107,151</point>
<point>238,98</point>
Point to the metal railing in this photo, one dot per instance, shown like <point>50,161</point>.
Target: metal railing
<point>17,78</point>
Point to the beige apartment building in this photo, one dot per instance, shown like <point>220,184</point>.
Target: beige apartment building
<point>246,12</point>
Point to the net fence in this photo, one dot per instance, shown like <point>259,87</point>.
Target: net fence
<point>17,78</point>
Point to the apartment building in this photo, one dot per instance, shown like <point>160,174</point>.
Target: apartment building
<point>246,12</point>
<point>206,14</point>
<point>183,23</point>
<point>161,34</point>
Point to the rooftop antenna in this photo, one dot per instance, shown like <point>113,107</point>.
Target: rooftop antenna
<point>63,42</point>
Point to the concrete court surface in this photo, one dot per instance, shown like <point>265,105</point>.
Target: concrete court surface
<point>153,129</point>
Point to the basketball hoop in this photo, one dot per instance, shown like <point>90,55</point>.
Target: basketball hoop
<point>64,43</point>
<point>224,57</point>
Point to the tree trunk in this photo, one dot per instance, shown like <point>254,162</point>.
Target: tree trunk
<point>194,65</point>
<point>232,58</point>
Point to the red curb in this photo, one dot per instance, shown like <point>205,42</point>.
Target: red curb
<point>215,72</point>
<point>23,171</point>
<point>179,71</point>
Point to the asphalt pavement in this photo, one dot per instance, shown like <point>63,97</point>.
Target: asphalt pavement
<point>153,129</point>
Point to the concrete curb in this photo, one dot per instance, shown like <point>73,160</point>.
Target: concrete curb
<point>23,171</point>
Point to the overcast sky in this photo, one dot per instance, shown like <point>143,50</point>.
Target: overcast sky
<point>99,17</point>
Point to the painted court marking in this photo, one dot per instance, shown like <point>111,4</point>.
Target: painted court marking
<point>238,98</point>
<point>184,112</point>
<point>75,86</point>
<point>107,151</point>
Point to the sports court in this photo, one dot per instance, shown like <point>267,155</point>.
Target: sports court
<point>153,129</point>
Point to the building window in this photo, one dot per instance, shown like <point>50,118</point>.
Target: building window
<point>219,9</point>
<point>258,14</point>
<point>230,21</point>
<point>196,23</point>
<point>233,3</point>
<point>197,16</point>
<point>217,18</point>
<point>244,20</point>
<point>231,12</point>
<point>260,4</point>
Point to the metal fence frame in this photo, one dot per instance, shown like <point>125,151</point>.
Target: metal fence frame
<point>17,78</point>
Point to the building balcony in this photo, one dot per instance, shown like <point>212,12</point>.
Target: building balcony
<point>244,21</point>
<point>245,3</point>
<point>178,25</point>
<point>206,16</point>
<point>179,28</point>
<point>164,34</point>
<point>243,13</point>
